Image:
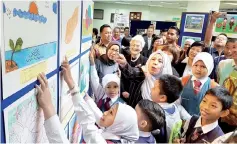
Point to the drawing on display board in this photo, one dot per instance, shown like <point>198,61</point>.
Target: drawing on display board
<point>184,38</point>
<point>227,25</point>
<point>70,29</point>
<point>194,23</point>
<point>87,18</point>
<point>74,130</point>
<point>29,42</point>
<point>66,105</point>
<point>24,120</point>
<point>84,73</point>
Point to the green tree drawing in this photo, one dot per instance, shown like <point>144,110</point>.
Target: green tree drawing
<point>15,48</point>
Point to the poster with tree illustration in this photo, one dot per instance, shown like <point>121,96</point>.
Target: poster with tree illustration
<point>29,42</point>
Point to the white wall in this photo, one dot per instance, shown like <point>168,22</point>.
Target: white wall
<point>148,13</point>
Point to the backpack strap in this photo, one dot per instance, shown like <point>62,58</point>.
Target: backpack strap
<point>185,80</point>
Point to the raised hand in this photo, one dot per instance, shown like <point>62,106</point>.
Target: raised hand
<point>92,56</point>
<point>121,60</point>
<point>215,16</point>
<point>66,71</point>
<point>44,96</point>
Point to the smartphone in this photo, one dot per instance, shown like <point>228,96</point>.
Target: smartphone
<point>223,15</point>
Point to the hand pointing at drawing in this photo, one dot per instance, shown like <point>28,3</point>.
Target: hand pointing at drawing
<point>44,97</point>
<point>66,70</point>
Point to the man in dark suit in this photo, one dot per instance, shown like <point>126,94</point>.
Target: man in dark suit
<point>148,40</point>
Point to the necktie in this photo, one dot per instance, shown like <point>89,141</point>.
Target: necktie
<point>107,105</point>
<point>197,85</point>
<point>197,133</point>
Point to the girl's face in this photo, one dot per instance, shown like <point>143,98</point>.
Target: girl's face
<point>155,64</point>
<point>199,69</point>
<point>113,52</point>
<point>158,42</point>
<point>109,116</point>
<point>112,89</point>
<point>194,51</point>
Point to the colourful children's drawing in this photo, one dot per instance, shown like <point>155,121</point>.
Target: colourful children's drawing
<point>24,120</point>
<point>84,73</point>
<point>70,29</point>
<point>29,44</point>
<point>87,24</point>
<point>194,23</point>
<point>227,25</point>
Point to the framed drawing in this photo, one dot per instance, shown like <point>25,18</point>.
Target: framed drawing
<point>112,18</point>
<point>98,14</point>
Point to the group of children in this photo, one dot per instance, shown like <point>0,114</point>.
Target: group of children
<point>141,100</point>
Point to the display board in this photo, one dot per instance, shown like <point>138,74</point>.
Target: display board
<point>36,37</point>
<point>193,25</point>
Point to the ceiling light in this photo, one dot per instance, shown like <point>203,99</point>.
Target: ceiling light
<point>231,3</point>
<point>168,3</point>
<point>122,3</point>
<point>156,5</point>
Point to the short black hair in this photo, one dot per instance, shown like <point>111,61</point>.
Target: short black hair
<point>95,31</point>
<point>197,44</point>
<point>164,30</point>
<point>154,39</point>
<point>154,113</point>
<point>126,28</point>
<point>104,26</point>
<point>175,28</point>
<point>222,95</point>
<point>125,42</point>
<point>232,40</point>
<point>171,86</point>
<point>223,35</point>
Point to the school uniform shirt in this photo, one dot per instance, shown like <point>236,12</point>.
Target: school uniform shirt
<point>146,138</point>
<point>203,81</point>
<point>174,114</point>
<point>209,132</point>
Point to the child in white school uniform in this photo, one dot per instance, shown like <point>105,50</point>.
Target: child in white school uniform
<point>196,85</point>
<point>107,93</point>
<point>119,127</point>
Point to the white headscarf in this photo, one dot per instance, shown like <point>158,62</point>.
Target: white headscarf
<point>207,60</point>
<point>125,123</point>
<point>148,83</point>
<point>110,78</point>
<point>191,41</point>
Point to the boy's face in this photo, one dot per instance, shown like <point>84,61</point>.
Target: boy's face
<point>233,49</point>
<point>199,69</point>
<point>155,92</point>
<point>155,64</point>
<point>227,51</point>
<point>112,89</point>
<point>211,108</point>
<point>109,116</point>
<point>142,123</point>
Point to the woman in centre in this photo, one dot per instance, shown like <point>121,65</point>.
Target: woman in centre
<point>142,79</point>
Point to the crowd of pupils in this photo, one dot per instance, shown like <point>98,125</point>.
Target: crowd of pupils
<point>147,89</point>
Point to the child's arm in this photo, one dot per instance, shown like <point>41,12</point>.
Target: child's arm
<point>97,112</point>
<point>184,115</point>
<point>95,81</point>
<point>86,118</point>
<point>52,125</point>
